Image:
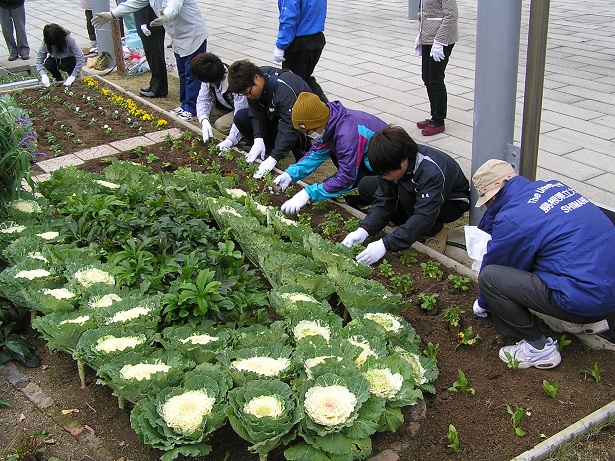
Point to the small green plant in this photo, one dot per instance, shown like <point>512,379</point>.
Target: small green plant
<point>138,151</point>
<point>432,350</point>
<point>459,283</point>
<point>168,139</point>
<point>351,224</point>
<point>428,302</point>
<point>166,165</point>
<point>304,219</point>
<point>515,419</point>
<point>385,269</point>
<point>329,227</point>
<point>550,389</point>
<point>452,315</point>
<point>461,385</point>
<point>333,216</point>
<point>216,168</point>
<point>151,158</point>
<point>432,270</point>
<point>26,446</point>
<point>512,362</point>
<point>594,372</point>
<point>466,337</point>
<point>563,342</point>
<point>176,145</point>
<point>402,283</point>
<point>453,438</point>
<point>408,258</point>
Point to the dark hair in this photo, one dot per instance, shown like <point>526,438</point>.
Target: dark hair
<point>389,147</point>
<point>241,75</point>
<point>207,67</point>
<point>55,35</point>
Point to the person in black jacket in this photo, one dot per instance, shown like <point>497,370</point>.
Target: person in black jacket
<point>13,16</point>
<point>418,188</point>
<point>153,46</point>
<point>267,121</point>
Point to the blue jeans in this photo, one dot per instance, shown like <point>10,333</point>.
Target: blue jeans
<point>189,86</point>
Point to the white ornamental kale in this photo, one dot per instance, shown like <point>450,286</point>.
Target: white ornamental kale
<point>111,343</point>
<point>32,274</point>
<point>26,206</point>
<point>48,235</point>
<point>130,314</point>
<point>229,210</point>
<point>296,297</point>
<point>418,370</point>
<point>90,276</point>
<point>184,413</point>
<point>330,405</point>
<point>107,184</point>
<point>104,301</point>
<point>389,322</point>
<point>59,293</point>
<point>236,193</point>
<point>270,406</point>
<point>311,328</point>
<point>38,255</point>
<point>264,366</point>
<point>383,383</point>
<point>143,371</point>
<point>366,350</point>
<point>77,320</point>
<point>13,229</point>
<point>199,339</point>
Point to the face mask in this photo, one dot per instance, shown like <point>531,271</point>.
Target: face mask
<point>314,135</point>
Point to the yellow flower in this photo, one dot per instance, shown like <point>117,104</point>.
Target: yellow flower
<point>162,123</point>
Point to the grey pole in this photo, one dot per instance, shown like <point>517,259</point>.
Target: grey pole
<point>534,83</point>
<point>413,10</point>
<point>103,33</point>
<point>498,28</point>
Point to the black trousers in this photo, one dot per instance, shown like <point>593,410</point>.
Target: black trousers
<point>432,73</point>
<point>301,58</point>
<point>154,49</point>
<point>88,24</point>
<point>54,66</point>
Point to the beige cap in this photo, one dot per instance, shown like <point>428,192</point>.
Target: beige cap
<point>489,178</point>
<point>309,112</point>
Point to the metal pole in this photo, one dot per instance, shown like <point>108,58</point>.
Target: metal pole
<point>498,28</point>
<point>534,83</point>
<point>413,10</point>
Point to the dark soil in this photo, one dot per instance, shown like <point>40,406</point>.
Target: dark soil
<point>483,424</point>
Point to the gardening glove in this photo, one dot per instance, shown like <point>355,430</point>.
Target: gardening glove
<point>265,167</point>
<point>283,181</point>
<point>45,80</point>
<point>258,149</point>
<point>479,311</point>
<point>101,18</point>
<point>418,48</point>
<point>160,20</point>
<point>356,237</point>
<point>437,51</point>
<point>372,253</point>
<point>298,201</point>
<point>225,145</point>
<point>278,55</point>
<point>69,80</point>
<point>207,132</point>
<point>145,30</point>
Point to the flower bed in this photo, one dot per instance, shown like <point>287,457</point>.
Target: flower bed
<point>481,419</point>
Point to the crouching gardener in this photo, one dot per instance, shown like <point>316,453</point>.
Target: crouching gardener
<point>552,251</point>
<point>339,134</point>
<point>418,188</point>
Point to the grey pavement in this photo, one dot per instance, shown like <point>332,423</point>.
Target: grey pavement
<point>368,65</point>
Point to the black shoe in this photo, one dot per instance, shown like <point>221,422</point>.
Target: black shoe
<point>145,90</point>
<point>151,94</point>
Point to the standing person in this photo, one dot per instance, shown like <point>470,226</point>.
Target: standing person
<point>418,187</point>
<point>341,134</point>
<point>59,51</point>
<point>87,7</point>
<point>216,99</point>
<point>13,18</point>
<point>551,251</point>
<point>185,25</point>
<point>301,39</point>
<point>266,123</point>
<point>434,42</point>
<point>153,46</point>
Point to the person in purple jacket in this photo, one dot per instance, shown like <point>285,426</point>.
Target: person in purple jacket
<point>338,133</point>
<point>551,252</point>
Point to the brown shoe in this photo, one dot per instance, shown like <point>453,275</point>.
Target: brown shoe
<point>432,130</point>
<point>424,124</point>
<point>437,242</point>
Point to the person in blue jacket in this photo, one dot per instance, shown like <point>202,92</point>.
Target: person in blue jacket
<point>552,252</point>
<point>338,133</point>
<point>301,39</point>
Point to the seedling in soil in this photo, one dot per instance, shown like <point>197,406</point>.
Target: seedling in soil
<point>290,191</point>
<point>562,342</point>
<point>241,161</point>
<point>432,270</point>
<point>402,283</point>
<point>385,269</point>
<point>460,283</point>
<point>451,315</point>
<point>428,301</point>
<point>453,438</point>
<point>5,402</point>
<point>151,158</point>
<point>213,148</point>
<point>320,205</point>
<point>408,258</point>
<point>467,338</point>
<point>176,146</point>
<point>512,362</point>
<point>215,168</point>
<point>550,389</point>
<point>252,185</point>
<point>351,224</point>
<point>168,139</point>
<point>594,372</point>
<point>432,350</point>
<point>304,218</point>
<point>515,419</point>
<point>461,385</point>
<point>329,227</point>
<point>166,165</point>
<point>138,151</point>
<point>29,446</point>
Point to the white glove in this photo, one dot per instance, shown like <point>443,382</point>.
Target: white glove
<point>356,237</point>
<point>160,20</point>
<point>45,80</point>
<point>265,167</point>
<point>145,30</point>
<point>225,145</point>
<point>437,51</point>
<point>207,132</point>
<point>101,18</point>
<point>278,55</point>
<point>372,253</point>
<point>69,80</point>
<point>418,48</point>
<point>298,201</point>
<point>258,149</point>
<point>283,181</point>
<point>479,311</point>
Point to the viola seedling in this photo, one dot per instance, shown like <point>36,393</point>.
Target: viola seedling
<point>467,338</point>
<point>594,372</point>
<point>432,270</point>
<point>515,419</point>
<point>408,258</point>
<point>460,283</point>
<point>461,385</point>
<point>563,342</point>
<point>151,158</point>
<point>432,351</point>
<point>402,283</point>
<point>550,389</point>
<point>452,315</point>
<point>428,302</point>
<point>304,219</point>
<point>453,438</point>
<point>351,224</point>
<point>512,362</point>
<point>385,269</point>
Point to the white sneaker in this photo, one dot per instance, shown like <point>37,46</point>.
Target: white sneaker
<point>176,111</point>
<point>479,311</point>
<point>185,116</point>
<point>586,328</point>
<point>529,356</point>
